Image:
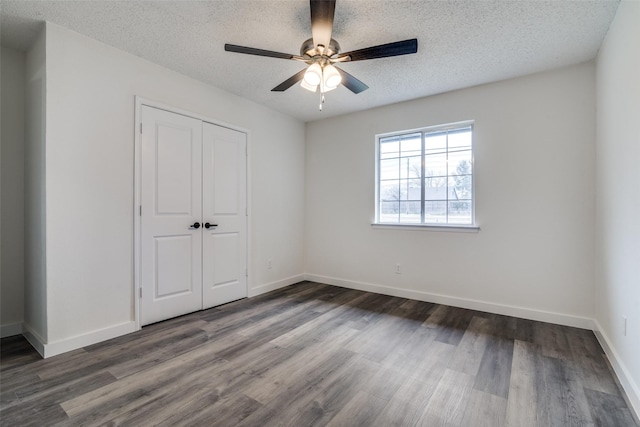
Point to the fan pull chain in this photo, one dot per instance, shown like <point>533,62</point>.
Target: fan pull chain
<point>321,101</point>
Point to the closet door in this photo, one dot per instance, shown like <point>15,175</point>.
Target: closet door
<point>171,210</point>
<point>224,213</point>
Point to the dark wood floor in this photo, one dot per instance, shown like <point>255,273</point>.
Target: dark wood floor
<point>313,354</point>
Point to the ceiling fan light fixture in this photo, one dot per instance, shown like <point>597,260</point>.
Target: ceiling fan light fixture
<point>313,75</point>
<point>331,76</point>
<point>307,86</point>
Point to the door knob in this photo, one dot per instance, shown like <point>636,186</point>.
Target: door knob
<point>195,225</point>
<point>208,226</point>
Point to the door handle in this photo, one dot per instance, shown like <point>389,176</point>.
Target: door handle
<point>208,226</point>
<point>195,225</point>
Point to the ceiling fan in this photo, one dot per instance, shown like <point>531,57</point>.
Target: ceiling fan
<point>321,51</point>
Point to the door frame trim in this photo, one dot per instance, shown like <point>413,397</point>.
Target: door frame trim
<point>137,192</point>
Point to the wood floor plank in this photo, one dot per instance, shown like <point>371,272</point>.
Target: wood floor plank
<point>608,410</point>
<point>470,350</point>
<point>399,413</point>
<point>454,325</point>
<point>330,399</point>
<point>47,394</point>
<point>423,375</point>
<point>590,362</point>
<point>297,368</point>
<point>136,386</point>
<point>447,404</point>
<point>226,413</point>
<point>316,355</point>
<point>565,402</point>
<point>552,339</point>
<point>360,411</point>
<point>494,372</point>
<point>484,410</point>
<point>290,401</point>
<point>526,387</point>
<point>383,337</point>
<point>324,324</point>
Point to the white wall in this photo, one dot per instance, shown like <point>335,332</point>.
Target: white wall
<point>89,175</point>
<point>534,166</point>
<point>35,292</point>
<point>12,191</point>
<point>618,195</point>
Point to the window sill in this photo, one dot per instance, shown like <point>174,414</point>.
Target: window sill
<point>428,227</point>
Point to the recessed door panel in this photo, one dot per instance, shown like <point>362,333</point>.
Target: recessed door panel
<point>225,177</point>
<point>174,260</point>
<point>174,171</point>
<point>225,258</point>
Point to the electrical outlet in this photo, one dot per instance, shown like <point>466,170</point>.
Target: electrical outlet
<point>269,264</point>
<point>624,326</point>
<point>398,271</point>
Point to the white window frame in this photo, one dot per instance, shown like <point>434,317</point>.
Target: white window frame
<point>473,227</point>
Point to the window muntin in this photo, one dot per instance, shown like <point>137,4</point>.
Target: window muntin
<point>425,177</point>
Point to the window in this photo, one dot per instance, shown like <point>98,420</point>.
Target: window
<point>425,177</point>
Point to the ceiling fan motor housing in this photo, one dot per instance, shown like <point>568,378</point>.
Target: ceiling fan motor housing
<point>309,49</point>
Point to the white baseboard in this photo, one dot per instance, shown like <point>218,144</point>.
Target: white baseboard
<point>507,310</point>
<point>93,337</point>
<point>276,285</point>
<point>10,330</point>
<point>626,381</point>
<point>36,341</point>
<point>76,342</point>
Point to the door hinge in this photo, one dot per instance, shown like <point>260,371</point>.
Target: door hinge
<point>140,210</point>
<point>140,293</point>
<point>246,272</point>
<point>140,127</point>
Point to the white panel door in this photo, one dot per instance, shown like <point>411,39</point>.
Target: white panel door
<point>171,195</point>
<point>224,207</point>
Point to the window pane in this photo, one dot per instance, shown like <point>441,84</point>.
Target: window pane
<point>435,212</point>
<point>460,212</point>
<point>410,212</point>
<point>461,187</point>
<point>460,162</point>
<point>460,139</point>
<point>411,145</point>
<point>435,143</point>
<point>414,191</point>
<point>390,190</point>
<point>389,147</point>
<point>389,169</point>
<point>389,211</point>
<point>404,189</point>
<point>435,165</point>
<point>439,182</point>
<point>436,193</point>
<point>410,167</point>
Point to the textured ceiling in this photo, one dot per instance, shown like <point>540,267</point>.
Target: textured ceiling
<point>460,43</point>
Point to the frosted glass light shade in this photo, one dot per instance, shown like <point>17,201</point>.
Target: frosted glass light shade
<point>307,86</point>
<point>332,77</point>
<point>313,75</point>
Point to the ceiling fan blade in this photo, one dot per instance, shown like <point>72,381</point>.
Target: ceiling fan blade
<point>322,12</point>
<point>404,47</point>
<point>258,52</point>
<point>351,83</point>
<point>290,81</point>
